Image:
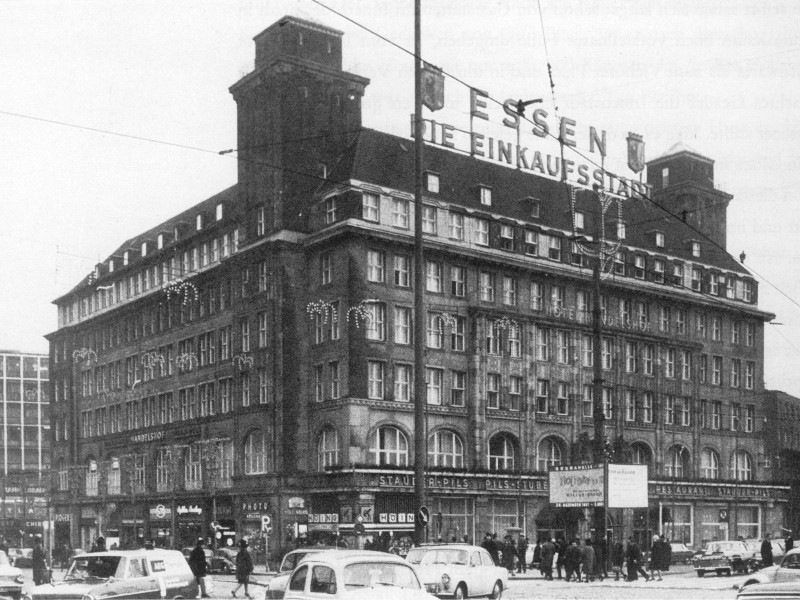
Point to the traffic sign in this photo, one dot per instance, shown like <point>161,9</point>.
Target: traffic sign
<point>266,524</point>
<point>424,515</point>
<point>358,529</point>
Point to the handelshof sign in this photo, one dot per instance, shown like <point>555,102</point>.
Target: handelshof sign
<point>580,485</point>
<point>542,126</point>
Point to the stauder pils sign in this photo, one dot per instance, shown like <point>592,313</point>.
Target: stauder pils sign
<point>580,485</point>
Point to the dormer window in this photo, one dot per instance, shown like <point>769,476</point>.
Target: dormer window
<point>638,267</point>
<point>659,239</point>
<point>664,177</point>
<point>176,233</point>
<point>111,266</point>
<point>126,258</point>
<point>696,249</point>
<point>160,241</point>
<point>219,212</point>
<point>580,221</point>
<point>535,208</point>
<point>199,222</point>
<point>486,196</point>
<point>432,182</point>
<point>144,249</point>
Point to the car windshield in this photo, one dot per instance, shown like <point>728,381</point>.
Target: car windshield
<point>444,556</point>
<point>88,565</point>
<point>290,561</point>
<point>372,574</point>
<point>4,559</point>
<point>721,547</point>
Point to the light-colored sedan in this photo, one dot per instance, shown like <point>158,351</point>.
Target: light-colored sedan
<point>276,587</point>
<point>355,575</point>
<point>10,578</point>
<point>787,570</point>
<point>459,571</point>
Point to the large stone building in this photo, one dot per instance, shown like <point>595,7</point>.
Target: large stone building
<point>24,445</point>
<point>249,362</point>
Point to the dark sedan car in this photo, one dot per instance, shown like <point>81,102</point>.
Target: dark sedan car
<point>681,554</point>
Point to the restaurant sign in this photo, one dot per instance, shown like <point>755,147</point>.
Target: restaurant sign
<point>710,490</point>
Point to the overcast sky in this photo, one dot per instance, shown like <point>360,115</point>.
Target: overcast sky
<point>721,76</point>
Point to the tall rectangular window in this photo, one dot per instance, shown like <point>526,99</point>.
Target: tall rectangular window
<point>669,410</point>
<point>458,388</point>
<point>400,211</point>
<point>402,270</point>
<point>554,250</point>
<point>630,405</point>
<point>588,400</point>
<point>433,379</point>
<point>514,341</point>
<point>376,321</point>
<point>370,207</point>
<point>702,368</point>
<point>647,407</point>
<point>587,350</point>
<point>716,370</point>
<point>434,331</point>
<point>334,373</point>
<point>429,220</point>
<point>481,232</point>
<point>562,398</point>
<point>562,347</point>
<point>736,332</point>
<point>537,296</point>
<point>542,395</point>
<point>319,383</point>
<point>326,268</point>
<point>433,276</point>
<point>736,372</point>
<point>509,291</point>
<point>669,363</point>
<point>686,365</point>
<point>330,211</point>
<point>456,226</point>
<point>607,350</point>
<point>749,418</point>
<point>716,329</point>
<point>648,355</point>
<point>376,266</point>
<point>402,325</point>
<point>493,390</point>
<point>375,377</point>
<point>542,344</point>
<point>750,375</point>
<point>532,243</point>
<point>515,392</point>
<point>487,290</point>
<point>458,281</point>
<point>402,383</point>
<point>458,334</point>
<point>492,338</point>
<point>631,359</point>
<point>749,334</point>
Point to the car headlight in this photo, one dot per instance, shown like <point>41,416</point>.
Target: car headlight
<point>19,578</point>
<point>445,581</point>
<point>87,597</point>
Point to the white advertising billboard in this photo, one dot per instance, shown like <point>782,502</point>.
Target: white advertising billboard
<point>580,485</point>
<point>627,486</point>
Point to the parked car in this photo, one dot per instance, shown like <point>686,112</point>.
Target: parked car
<point>724,558</point>
<point>10,578</point>
<point>215,563</point>
<point>770,591</point>
<point>153,574</point>
<point>681,554</point>
<point>458,571</point>
<point>21,558</point>
<point>788,569</point>
<point>355,575</point>
<point>276,587</point>
<point>777,550</point>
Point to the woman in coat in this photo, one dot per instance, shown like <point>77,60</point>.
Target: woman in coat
<point>244,567</point>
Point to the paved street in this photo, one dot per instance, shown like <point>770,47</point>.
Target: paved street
<point>682,584</point>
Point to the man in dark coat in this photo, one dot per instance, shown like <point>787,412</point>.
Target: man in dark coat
<point>39,563</point>
<point>546,565</point>
<point>617,560</point>
<point>572,562</point>
<point>522,550</point>
<point>766,552</point>
<point>244,567</point>
<point>658,556</point>
<point>491,547</point>
<point>197,562</point>
<point>788,542</point>
<point>509,552</point>
<point>634,559</point>
<point>561,546</point>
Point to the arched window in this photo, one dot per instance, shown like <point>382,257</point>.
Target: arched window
<point>549,454</point>
<point>502,454</point>
<point>709,464</point>
<point>257,458</point>
<point>445,449</point>
<point>389,447</point>
<point>741,466</point>
<point>327,448</point>
<point>677,462</point>
<point>641,454</point>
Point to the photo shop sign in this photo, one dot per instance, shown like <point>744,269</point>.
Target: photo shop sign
<point>578,171</point>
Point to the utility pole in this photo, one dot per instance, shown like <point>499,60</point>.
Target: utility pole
<point>420,388</point>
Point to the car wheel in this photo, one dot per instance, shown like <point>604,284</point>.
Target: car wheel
<point>461,592</point>
<point>497,591</point>
<point>700,573</point>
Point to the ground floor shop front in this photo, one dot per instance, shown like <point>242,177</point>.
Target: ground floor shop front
<point>332,508</point>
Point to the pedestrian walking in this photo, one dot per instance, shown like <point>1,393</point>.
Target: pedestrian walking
<point>509,552</point>
<point>244,568</point>
<point>766,551</point>
<point>491,547</point>
<point>572,562</point>
<point>562,550</point>
<point>618,560</point>
<point>197,563</point>
<point>537,556</point>
<point>587,560</point>
<point>41,572</point>
<point>546,564</point>
<point>658,555</point>
<point>522,551</point>
<point>788,541</point>
<point>634,561</point>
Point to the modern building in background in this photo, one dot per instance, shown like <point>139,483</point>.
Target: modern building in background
<point>246,367</point>
<point>24,445</point>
